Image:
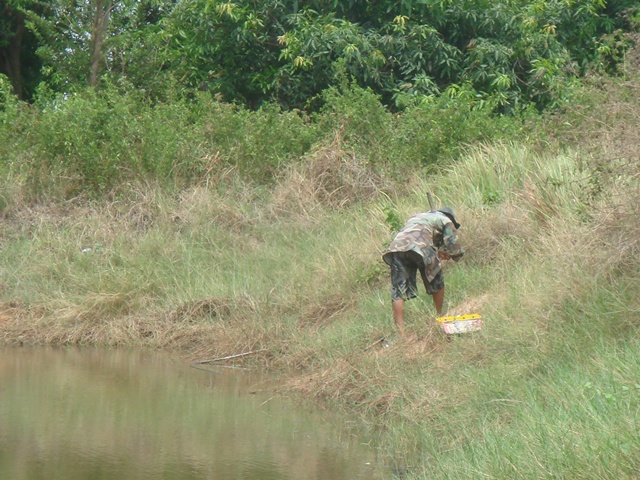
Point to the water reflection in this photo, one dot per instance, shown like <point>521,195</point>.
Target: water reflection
<point>94,414</point>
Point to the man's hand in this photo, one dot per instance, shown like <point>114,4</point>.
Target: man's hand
<point>443,255</point>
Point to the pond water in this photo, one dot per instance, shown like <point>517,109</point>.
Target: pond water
<point>112,414</point>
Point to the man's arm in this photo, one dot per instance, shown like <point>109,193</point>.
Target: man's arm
<point>451,248</point>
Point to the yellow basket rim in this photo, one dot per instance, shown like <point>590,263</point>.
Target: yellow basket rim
<point>457,318</point>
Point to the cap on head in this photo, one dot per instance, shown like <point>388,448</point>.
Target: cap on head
<point>448,211</point>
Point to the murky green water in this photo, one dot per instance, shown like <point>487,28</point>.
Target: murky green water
<point>95,414</point>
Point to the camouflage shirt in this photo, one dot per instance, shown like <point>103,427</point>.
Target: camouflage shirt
<point>424,234</point>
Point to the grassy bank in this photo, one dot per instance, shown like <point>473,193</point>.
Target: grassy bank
<point>292,268</point>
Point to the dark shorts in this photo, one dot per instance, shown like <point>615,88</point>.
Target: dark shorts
<point>404,268</point>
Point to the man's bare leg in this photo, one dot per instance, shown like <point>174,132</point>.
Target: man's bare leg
<point>398,314</point>
<point>438,301</point>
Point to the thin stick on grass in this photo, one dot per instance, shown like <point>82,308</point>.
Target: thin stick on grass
<point>379,340</point>
<point>229,357</point>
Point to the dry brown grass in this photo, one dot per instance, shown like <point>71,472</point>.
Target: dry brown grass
<point>204,204</point>
<point>136,209</point>
<point>327,179</point>
<point>612,138</point>
<point>74,325</point>
<point>345,383</point>
<point>325,310</point>
<point>141,210</point>
<point>370,380</point>
<point>9,311</point>
<point>221,308</point>
<point>471,305</point>
<point>610,133</point>
<point>486,230</point>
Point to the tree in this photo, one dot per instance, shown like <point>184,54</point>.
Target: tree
<point>81,40</point>
<point>17,47</point>
<point>511,52</point>
<point>100,26</point>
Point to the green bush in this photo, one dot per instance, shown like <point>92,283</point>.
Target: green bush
<point>11,131</point>
<point>357,113</point>
<point>94,141</point>
<point>261,142</point>
<point>440,128</point>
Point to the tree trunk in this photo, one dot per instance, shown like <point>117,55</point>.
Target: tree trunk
<point>100,25</point>
<point>10,55</point>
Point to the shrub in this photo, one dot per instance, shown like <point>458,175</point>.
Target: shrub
<point>440,128</point>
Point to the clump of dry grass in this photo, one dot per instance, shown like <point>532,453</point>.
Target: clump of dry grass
<point>372,381</point>
<point>74,324</point>
<point>87,222</point>
<point>327,179</point>
<point>610,141</point>
<point>138,208</point>
<point>200,205</point>
<point>96,306</point>
<point>213,308</point>
<point>9,311</point>
<point>229,203</point>
<point>325,310</point>
<point>486,230</point>
<point>335,381</point>
<point>617,214</point>
<point>612,134</point>
<point>473,304</point>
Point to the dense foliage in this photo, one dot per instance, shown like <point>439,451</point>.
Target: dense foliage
<point>510,52</point>
<point>94,141</point>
